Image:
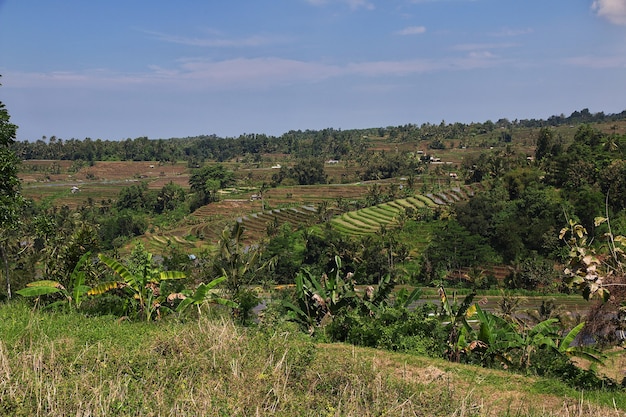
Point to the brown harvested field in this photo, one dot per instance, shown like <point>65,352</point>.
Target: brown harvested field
<point>61,193</point>
<point>53,180</point>
<point>228,209</point>
<point>157,184</point>
<point>312,194</point>
<point>123,170</point>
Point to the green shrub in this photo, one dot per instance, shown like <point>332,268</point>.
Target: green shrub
<point>547,363</point>
<point>391,328</point>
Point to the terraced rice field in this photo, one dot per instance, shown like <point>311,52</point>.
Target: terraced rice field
<point>371,219</point>
<point>211,219</point>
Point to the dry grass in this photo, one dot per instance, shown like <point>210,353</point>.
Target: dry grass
<point>62,365</point>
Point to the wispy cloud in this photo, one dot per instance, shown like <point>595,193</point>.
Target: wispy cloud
<point>247,73</point>
<point>437,1</point>
<point>613,10</point>
<point>411,30</point>
<point>353,4</point>
<point>214,41</point>
<point>598,62</point>
<point>483,46</point>
<point>508,32</point>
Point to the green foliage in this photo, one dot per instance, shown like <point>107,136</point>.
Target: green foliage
<point>391,327</point>
<point>317,301</point>
<point>498,342</point>
<point>119,226</point>
<point>454,247</point>
<point>308,171</point>
<point>142,282</point>
<point>287,248</point>
<point>72,296</point>
<point>237,262</point>
<point>204,294</point>
<point>381,165</point>
<point>205,183</point>
<point>547,145</point>
<point>61,238</point>
<point>613,184</point>
<point>533,273</point>
<point>588,271</point>
<point>169,198</point>
<point>136,197</point>
<point>11,200</point>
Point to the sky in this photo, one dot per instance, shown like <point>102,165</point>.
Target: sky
<point>119,69</point>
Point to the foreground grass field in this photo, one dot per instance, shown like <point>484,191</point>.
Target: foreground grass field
<point>66,364</point>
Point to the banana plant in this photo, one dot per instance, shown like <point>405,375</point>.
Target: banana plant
<point>564,346</point>
<point>318,300</point>
<point>204,293</point>
<point>72,296</point>
<point>376,300</point>
<point>496,337</point>
<point>145,286</point>
<point>546,335</point>
<point>455,317</point>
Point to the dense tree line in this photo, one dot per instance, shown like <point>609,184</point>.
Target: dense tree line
<point>327,143</point>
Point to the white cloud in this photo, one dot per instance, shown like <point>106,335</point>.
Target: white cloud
<point>483,46</point>
<point>243,73</point>
<point>598,62</point>
<point>215,41</point>
<point>507,32</point>
<point>357,4</point>
<point>353,4</point>
<point>411,30</point>
<point>437,1</point>
<point>613,10</point>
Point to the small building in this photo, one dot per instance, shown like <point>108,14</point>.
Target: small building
<point>74,189</point>
<point>332,161</point>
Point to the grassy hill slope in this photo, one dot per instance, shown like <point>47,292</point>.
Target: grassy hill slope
<point>64,364</point>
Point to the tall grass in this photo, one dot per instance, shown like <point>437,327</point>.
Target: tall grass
<point>71,365</point>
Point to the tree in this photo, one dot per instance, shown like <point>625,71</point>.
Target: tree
<point>547,146</point>
<point>309,171</point>
<point>613,184</point>
<point>170,196</point>
<point>11,200</point>
<point>239,264</point>
<point>206,182</point>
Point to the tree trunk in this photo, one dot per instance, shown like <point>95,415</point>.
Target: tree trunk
<point>5,262</point>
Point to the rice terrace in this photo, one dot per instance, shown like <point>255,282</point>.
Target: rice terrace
<point>453,269</point>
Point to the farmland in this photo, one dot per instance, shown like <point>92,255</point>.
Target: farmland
<point>440,241</point>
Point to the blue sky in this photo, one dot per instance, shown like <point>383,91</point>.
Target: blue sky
<point>122,69</point>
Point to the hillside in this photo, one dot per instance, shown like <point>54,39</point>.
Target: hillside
<point>64,364</point>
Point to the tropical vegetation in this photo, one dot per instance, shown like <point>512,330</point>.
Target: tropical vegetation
<point>341,264</point>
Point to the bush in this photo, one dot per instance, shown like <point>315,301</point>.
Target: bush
<point>548,363</point>
<point>391,328</point>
